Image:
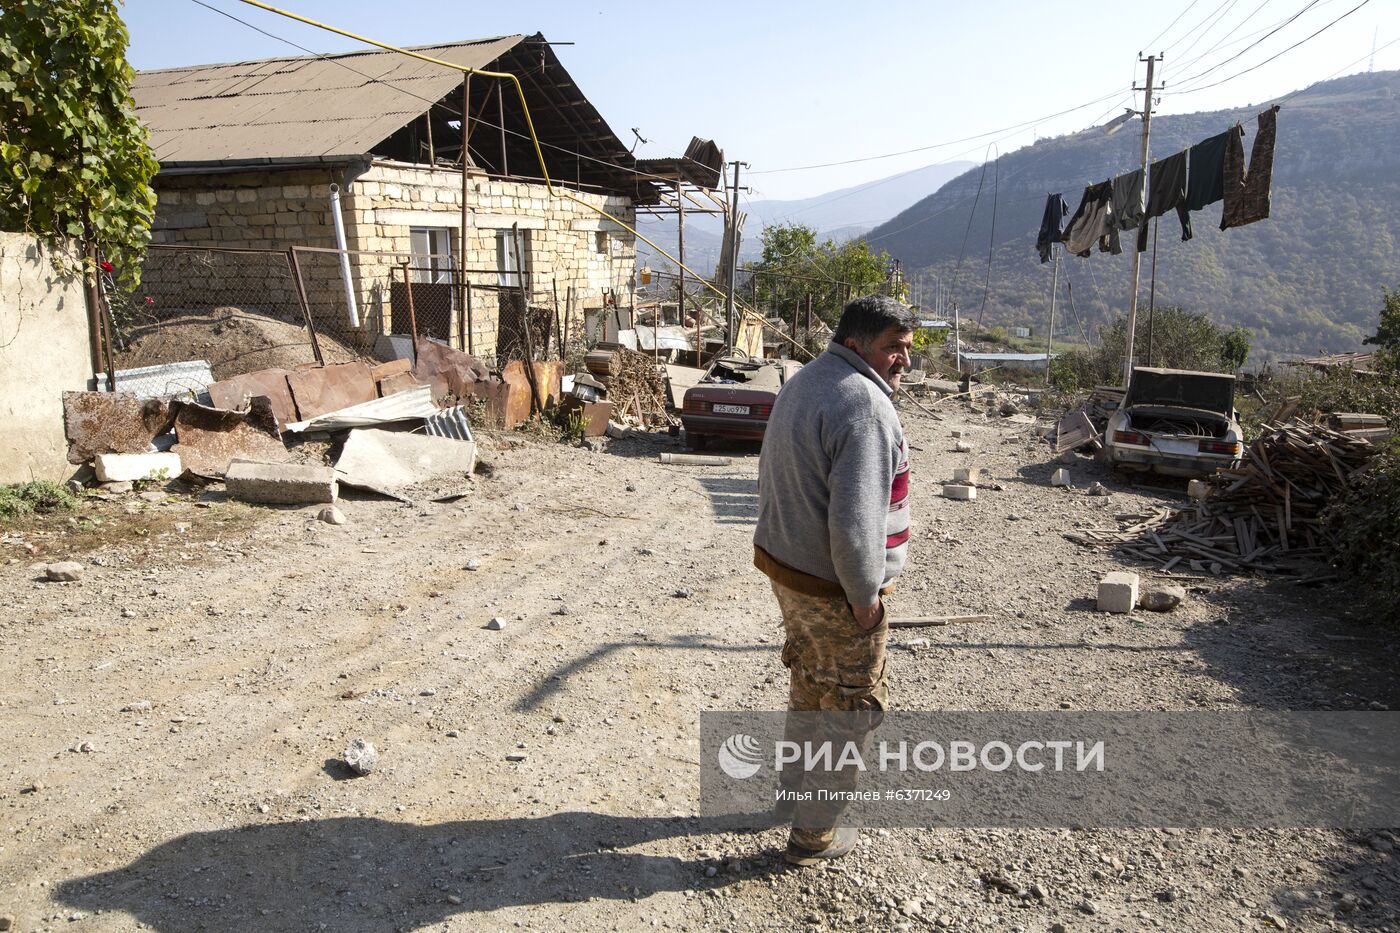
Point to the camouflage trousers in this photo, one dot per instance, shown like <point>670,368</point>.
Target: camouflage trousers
<point>834,667</point>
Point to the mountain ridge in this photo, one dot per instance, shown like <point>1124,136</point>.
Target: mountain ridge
<point>1307,279</point>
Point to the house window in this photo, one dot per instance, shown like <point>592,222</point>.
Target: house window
<point>508,263</point>
<point>600,242</point>
<point>432,255</point>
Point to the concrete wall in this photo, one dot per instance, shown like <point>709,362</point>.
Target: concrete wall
<point>568,244</point>
<point>43,352</point>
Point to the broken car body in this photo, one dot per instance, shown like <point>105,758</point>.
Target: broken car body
<point>1177,422</point>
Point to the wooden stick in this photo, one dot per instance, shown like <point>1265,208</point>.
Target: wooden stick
<point>934,621</point>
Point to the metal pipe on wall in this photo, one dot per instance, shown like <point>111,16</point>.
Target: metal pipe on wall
<point>352,310</point>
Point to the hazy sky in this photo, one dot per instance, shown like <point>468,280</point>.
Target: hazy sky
<point>783,85</point>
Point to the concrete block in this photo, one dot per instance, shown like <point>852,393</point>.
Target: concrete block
<point>1197,489</point>
<point>1060,478</point>
<point>116,468</point>
<point>967,475</point>
<point>959,492</point>
<point>1118,592</point>
<point>280,483</point>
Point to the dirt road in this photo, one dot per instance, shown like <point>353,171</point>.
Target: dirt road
<point>172,723</point>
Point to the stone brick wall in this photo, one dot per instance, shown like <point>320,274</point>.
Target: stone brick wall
<point>567,244</point>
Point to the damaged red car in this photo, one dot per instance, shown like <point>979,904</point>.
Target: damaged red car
<point>734,399</point>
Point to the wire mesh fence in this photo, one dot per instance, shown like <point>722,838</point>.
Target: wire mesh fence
<point>243,310</point>
<point>237,309</point>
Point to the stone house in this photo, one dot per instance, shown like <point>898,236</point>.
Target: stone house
<point>262,155</point>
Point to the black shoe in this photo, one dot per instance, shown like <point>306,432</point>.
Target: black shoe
<point>842,843</point>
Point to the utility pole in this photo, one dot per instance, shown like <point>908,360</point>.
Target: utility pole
<point>1137,256</point>
<point>733,255</point>
<point>957,336</point>
<point>1050,330</point>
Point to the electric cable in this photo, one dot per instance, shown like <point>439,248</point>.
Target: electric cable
<point>1271,58</point>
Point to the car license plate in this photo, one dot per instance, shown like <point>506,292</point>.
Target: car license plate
<point>721,409</point>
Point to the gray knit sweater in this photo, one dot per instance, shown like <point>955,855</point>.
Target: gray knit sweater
<point>833,493</point>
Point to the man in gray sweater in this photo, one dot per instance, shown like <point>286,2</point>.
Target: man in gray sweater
<point>833,527</point>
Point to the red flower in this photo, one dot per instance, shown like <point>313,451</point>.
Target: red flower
<point>107,266</point>
<point>150,300</point>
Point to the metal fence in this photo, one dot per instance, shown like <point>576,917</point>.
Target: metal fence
<point>250,309</point>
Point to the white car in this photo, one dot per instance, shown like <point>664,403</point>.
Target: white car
<point>1175,421</point>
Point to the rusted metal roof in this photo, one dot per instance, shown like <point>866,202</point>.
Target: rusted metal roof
<point>328,108</point>
<point>1360,362</point>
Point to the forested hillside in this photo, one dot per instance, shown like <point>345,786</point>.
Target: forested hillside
<point>1307,279</point>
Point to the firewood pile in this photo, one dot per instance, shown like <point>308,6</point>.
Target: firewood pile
<point>635,388</point>
<point>1264,515</point>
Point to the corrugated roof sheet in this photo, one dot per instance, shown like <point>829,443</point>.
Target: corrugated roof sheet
<point>297,108</point>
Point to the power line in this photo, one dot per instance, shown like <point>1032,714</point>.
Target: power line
<point>952,142</point>
<point>450,110</point>
<point>1266,61</point>
<point>1159,35</point>
<point>1225,9</point>
<point>1196,77</point>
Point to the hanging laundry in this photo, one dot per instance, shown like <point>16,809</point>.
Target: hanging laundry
<point>1205,182</point>
<point>1232,172</point>
<point>1250,200</point>
<point>1127,200</point>
<point>1166,189</point>
<point>1091,223</point>
<point>1052,225</point>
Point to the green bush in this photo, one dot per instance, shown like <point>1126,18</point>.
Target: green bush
<point>1365,524</point>
<point>40,495</point>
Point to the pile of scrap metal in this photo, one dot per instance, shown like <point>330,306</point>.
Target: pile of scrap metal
<point>397,425</point>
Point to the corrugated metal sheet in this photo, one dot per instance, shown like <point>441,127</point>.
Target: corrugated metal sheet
<point>451,422</point>
<point>187,379</point>
<point>407,405</point>
<point>336,105</point>
<point>1005,357</point>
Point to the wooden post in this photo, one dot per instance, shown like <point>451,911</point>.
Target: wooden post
<point>305,304</point>
<point>536,405</point>
<point>412,318</point>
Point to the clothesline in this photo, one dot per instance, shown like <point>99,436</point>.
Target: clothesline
<point>1210,171</point>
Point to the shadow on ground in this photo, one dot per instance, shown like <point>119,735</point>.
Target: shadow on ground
<point>1285,647</point>
<point>355,874</point>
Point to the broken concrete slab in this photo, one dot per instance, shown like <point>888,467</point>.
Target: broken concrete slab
<point>1197,489</point>
<point>280,483</point>
<point>331,388</point>
<point>411,405</point>
<point>1118,592</point>
<point>112,423</point>
<point>959,492</point>
<point>389,462</point>
<point>968,476</point>
<point>115,468</point>
<point>1162,597</point>
<point>1060,478</point>
<point>235,392</point>
<point>209,438</point>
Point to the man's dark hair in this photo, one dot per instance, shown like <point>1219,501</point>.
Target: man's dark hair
<point>866,318</point>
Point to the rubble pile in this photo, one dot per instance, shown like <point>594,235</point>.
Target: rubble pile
<point>1265,514</point>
